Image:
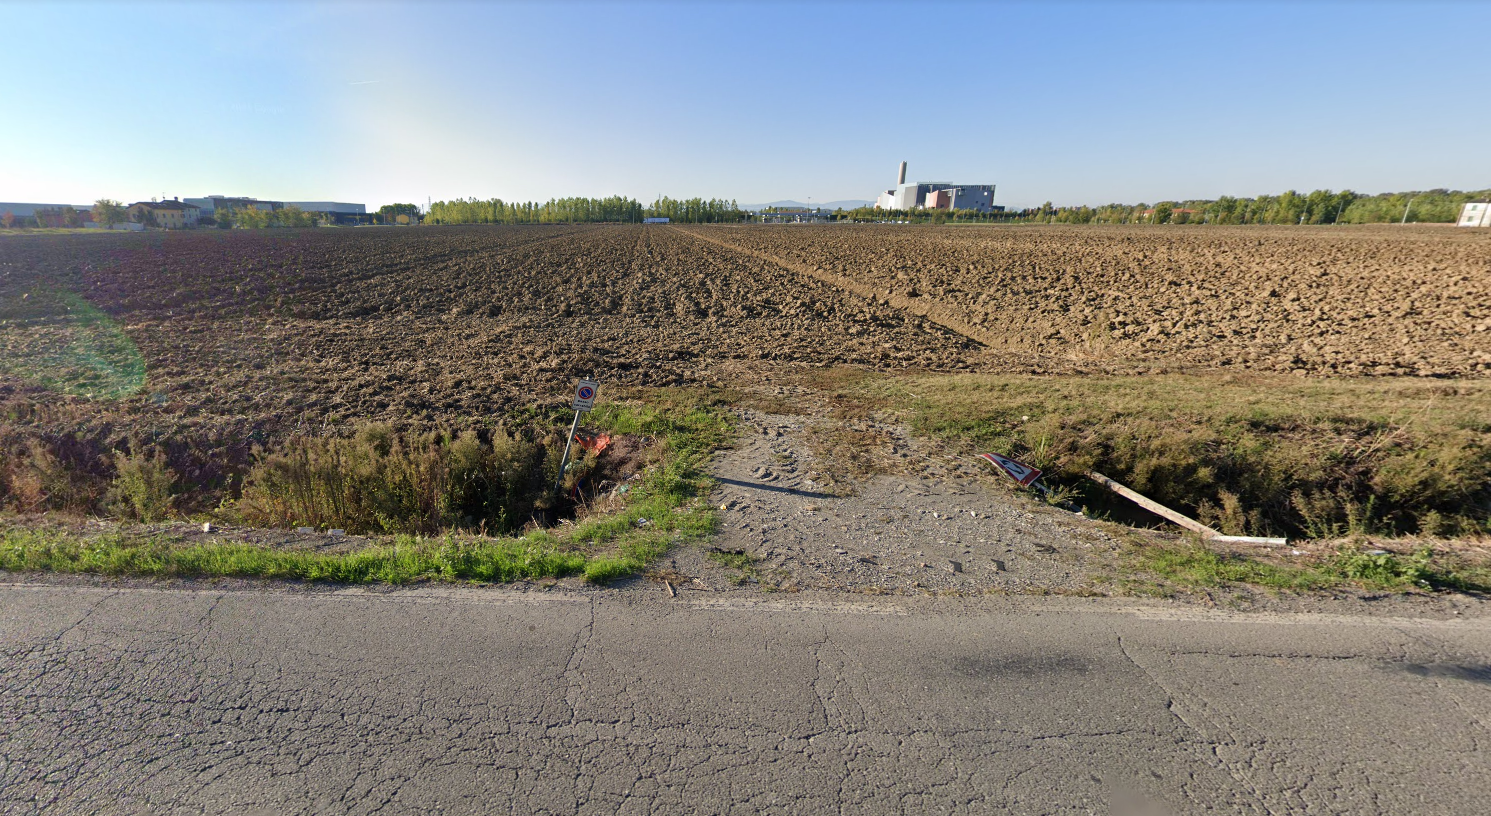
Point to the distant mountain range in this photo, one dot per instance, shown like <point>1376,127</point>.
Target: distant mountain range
<point>846,204</point>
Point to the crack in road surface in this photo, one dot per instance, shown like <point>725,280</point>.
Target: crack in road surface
<point>443,699</point>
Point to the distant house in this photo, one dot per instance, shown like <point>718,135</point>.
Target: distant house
<point>654,220</point>
<point>1475,214</point>
<point>59,217</point>
<point>165,214</point>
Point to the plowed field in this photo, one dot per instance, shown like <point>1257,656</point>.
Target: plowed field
<point>428,324</point>
<point>1313,301</point>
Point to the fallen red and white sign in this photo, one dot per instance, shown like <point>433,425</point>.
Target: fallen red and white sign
<point>1019,471</point>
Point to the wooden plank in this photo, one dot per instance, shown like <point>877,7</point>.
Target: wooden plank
<point>1152,506</point>
<point>1185,521</point>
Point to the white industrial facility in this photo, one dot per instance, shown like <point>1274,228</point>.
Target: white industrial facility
<point>936,195</point>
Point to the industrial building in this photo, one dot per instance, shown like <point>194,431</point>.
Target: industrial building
<point>793,215</point>
<point>211,204</point>
<point>937,195</point>
<point>340,212</point>
<point>336,207</point>
<point>1475,214</point>
<point>27,210</point>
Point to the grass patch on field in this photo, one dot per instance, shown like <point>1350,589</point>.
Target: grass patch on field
<point>663,506</point>
<point>1247,454</point>
<point>1194,565</point>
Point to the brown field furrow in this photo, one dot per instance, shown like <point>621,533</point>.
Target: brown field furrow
<point>942,316</point>
<point>440,324</point>
<point>284,328</point>
<point>1328,301</point>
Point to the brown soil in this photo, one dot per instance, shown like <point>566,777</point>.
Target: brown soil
<point>1371,300</point>
<point>297,327</point>
<point>442,323</point>
<point>249,335</point>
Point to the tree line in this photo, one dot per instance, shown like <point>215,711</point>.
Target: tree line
<point>613,209</point>
<point>1290,207</point>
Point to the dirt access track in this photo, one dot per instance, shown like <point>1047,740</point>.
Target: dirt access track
<point>445,323</point>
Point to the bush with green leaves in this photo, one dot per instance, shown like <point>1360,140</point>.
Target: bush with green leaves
<point>142,489</point>
<point>380,481</point>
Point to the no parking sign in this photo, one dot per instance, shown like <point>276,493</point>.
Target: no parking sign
<point>1019,471</point>
<point>585,395</point>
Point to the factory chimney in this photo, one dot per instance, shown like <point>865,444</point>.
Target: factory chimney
<point>901,179</point>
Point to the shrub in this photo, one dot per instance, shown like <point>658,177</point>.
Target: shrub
<point>33,478</point>
<point>142,488</point>
<point>379,481</point>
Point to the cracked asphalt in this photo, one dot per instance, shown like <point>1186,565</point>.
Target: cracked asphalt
<point>140,699</point>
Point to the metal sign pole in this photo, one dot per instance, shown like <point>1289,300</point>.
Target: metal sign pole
<point>584,401</point>
<point>569,441</point>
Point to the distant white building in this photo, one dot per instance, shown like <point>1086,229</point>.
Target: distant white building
<point>937,195</point>
<point>1475,214</point>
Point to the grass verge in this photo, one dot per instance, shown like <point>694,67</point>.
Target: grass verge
<point>1196,566</point>
<point>407,559</point>
<point>667,505</point>
<point>664,505</point>
<point>1248,454</point>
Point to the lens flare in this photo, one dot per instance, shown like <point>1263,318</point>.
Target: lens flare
<point>56,339</point>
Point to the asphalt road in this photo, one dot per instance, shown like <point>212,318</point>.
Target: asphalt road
<point>154,700</point>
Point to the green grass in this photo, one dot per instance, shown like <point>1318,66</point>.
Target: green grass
<point>665,507</point>
<point>743,564</point>
<point>407,559</point>
<point>1248,454</point>
<point>1194,565</point>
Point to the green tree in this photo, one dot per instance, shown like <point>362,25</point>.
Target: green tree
<point>251,218</point>
<point>389,213</point>
<point>108,212</point>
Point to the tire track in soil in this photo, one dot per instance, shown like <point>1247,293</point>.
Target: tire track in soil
<point>926,310</point>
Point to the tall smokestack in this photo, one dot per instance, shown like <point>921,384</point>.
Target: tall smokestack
<point>901,179</point>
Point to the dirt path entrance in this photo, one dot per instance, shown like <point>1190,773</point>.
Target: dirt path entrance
<point>787,524</point>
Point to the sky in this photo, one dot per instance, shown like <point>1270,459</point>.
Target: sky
<point>1070,102</point>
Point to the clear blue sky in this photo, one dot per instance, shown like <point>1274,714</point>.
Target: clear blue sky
<point>1067,101</point>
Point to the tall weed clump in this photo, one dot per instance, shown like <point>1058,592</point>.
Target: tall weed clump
<point>380,481</point>
<point>142,487</point>
<point>38,475</point>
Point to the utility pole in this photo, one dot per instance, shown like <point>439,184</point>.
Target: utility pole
<point>1405,209</point>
